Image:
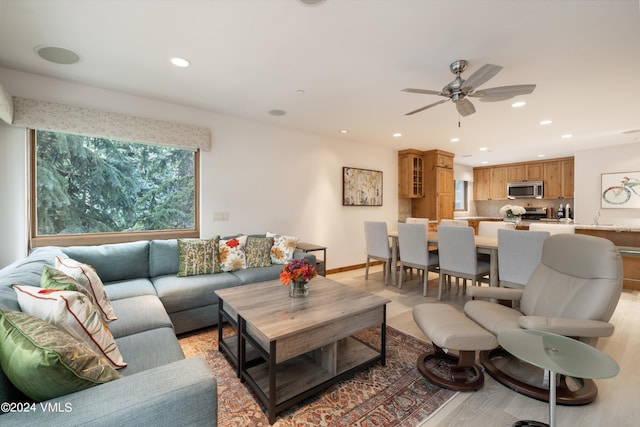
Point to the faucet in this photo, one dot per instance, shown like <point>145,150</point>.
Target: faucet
<point>595,218</point>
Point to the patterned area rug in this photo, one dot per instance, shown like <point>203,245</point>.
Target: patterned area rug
<point>392,395</point>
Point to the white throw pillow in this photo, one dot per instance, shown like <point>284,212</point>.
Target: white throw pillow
<point>87,277</point>
<point>74,313</point>
<point>283,248</point>
<point>232,256</point>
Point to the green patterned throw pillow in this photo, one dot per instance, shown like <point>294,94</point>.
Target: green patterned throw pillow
<point>258,251</point>
<point>44,362</point>
<point>198,256</point>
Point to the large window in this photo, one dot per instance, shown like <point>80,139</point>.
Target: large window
<point>461,188</point>
<point>97,190</point>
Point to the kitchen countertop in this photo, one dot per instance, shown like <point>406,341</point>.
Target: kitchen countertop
<point>604,227</point>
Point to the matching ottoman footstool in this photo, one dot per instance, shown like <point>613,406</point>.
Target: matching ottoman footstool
<point>447,328</point>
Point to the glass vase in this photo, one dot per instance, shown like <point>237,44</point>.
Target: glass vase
<point>299,289</point>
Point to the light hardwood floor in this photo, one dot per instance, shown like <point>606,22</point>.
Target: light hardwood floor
<point>496,405</point>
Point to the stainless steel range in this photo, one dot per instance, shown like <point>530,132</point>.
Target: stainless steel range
<point>534,214</point>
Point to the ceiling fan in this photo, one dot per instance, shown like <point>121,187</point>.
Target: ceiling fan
<point>459,89</point>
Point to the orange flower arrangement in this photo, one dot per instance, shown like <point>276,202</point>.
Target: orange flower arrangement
<point>297,270</point>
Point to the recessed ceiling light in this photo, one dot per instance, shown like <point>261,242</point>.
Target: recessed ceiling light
<point>57,55</point>
<point>344,131</point>
<point>483,148</point>
<point>567,136</point>
<point>397,135</point>
<point>484,162</point>
<point>540,155</point>
<point>518,104</point>
<point>180,62</point>
<point>454,139</point>
<point>545,122</point>
<point>277,112</point>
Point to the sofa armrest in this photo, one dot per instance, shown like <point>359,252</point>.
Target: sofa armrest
<point>179,393</point>
<point>582,328</point>
<point>494,292</point>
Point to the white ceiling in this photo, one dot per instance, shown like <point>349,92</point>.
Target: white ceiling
<point>351,58</point>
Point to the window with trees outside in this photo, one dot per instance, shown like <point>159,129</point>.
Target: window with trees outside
<point>461,195</point>
<point>88,190</point>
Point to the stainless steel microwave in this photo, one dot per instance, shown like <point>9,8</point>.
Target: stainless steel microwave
<point>525,190</point>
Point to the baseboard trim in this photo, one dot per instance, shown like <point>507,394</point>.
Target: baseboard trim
<point>352,267</point>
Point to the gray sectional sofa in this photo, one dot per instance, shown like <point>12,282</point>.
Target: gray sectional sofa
<point>159,386</point>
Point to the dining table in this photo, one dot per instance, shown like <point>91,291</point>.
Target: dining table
<point>484,245</point>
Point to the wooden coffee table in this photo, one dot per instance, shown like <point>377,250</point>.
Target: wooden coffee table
<point>288,349</point>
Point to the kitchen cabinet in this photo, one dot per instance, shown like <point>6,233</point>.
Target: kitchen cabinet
<point>439,189</point>
<point>482,184</point>
<point>517,173</point>
<point>535,171</point>
<point>410,174</point>
<point>553,180</point>
<point>628,243</point>
<point>490,183</point>
<point>558,179</point>
<point>567,179</point>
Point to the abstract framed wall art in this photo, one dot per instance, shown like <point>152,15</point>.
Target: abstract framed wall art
<point>361,187</point>
<point>620,190</point>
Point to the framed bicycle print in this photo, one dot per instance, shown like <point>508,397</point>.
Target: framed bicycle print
<point>361,187</point>
<point>620,190</point>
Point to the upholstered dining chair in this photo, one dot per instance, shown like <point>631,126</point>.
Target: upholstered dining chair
<point>458,257</point>
<point>573,291</point>
<point>552,228</point>
<point>490,228</point>
<point>412,239</point>
<point>378,248</point>
<point>519,253</point>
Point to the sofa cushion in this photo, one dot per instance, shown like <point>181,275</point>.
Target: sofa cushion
<point>74,313</point>
<point>143,313</point>
<point>118,261</point>
<point>232,256</point>
<point>86,276</point>
<point>45,362</point>
<point>260,274</point>
<point>163,257</point>
<point>258,251</point>
<point>198,256</point>
<point>149,349</point>
<point>54,279</point>
<point>183,293</point>
<point>122,289</point>
<point>283,248</point>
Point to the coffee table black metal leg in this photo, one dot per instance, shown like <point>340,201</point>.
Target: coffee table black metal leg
<point>272,382</point>
<point>242,346</point>
<point>383,337</point>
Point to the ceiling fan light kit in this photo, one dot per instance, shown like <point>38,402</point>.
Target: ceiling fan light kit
<point>459,89</point>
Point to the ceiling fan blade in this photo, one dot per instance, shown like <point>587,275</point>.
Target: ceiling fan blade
<point>465,107</point>
<point>428,106</point>
<point>502,92</point>
<point>482,75</point>
<point>426,92</point>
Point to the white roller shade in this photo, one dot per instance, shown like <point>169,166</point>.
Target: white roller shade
<point>50,116</point>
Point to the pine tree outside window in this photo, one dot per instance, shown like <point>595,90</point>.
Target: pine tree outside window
<point>88,190</point>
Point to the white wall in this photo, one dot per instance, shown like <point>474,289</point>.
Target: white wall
<point>589,165</point>
<point>268,178</point>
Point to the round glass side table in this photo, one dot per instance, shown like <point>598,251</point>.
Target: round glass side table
<point>560,355</point>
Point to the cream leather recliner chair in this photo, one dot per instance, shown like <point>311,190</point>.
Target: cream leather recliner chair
<point>572,292</point>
